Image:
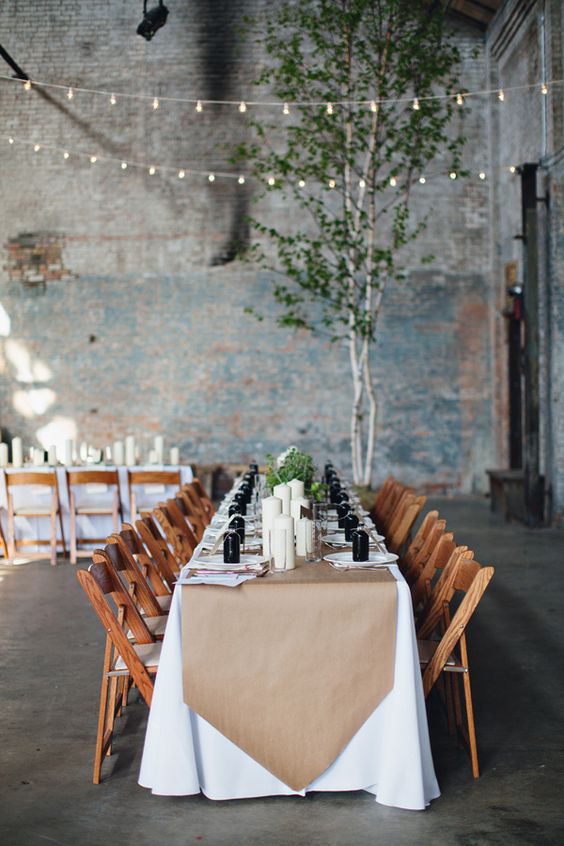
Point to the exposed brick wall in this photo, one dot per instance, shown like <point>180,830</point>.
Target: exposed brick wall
<point>150,333</point>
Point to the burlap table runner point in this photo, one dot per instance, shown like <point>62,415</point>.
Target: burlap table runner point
<point>289,667</point>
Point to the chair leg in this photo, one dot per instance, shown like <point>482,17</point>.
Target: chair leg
<point>99,753</point>
<point>111,711</point>
<point>471,727</point>
<point>72,526</point>
<point>62,532</point>
<point>53,537</point>
<point>11,533</point>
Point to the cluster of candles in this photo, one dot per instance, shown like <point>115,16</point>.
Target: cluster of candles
<point>119,453</point>
<point>348,520</point>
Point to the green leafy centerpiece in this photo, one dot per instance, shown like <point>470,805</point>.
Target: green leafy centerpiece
<point>294,464</point>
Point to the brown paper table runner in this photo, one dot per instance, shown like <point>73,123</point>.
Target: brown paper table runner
<point>289,667</point>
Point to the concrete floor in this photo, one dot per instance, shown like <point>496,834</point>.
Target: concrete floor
<point>50,662</point>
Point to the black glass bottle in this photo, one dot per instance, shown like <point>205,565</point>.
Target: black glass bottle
<point>231,548</point>
<point>350,523</point>
<point>360,545</point>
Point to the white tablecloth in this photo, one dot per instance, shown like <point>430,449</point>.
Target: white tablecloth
<point>88,526</point>
<point>390,756</point>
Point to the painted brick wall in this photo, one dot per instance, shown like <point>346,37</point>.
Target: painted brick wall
<point>145,329</point>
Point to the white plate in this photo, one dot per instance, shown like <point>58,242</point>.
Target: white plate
<point>216,562</point>
<point>338,539</point>
<point>375,558</point>
<point>209,540</point>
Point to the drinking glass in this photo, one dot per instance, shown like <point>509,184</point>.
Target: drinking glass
<point>278,559</point>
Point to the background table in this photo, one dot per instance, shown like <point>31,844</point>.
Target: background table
<point>390,756</point>
<point>88,525</point>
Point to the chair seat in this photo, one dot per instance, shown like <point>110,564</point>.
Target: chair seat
<point>33,511</point>
<point>94,509</point>
<point>164,601</point>
<point>156,625</point>
<point>149,653</point>
<point>427,649</point>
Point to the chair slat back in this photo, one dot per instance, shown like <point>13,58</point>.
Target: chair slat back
<point>91,584</point>
<point>432,615</point>
<point>196,517</point>
<point>413,550</point>
<point>181,549</point>
<point>205,499</point>
<point>90,477</point>
<point>48,480</point>
<point>124,562</point>
<point>110,583</point>
<point>437,561</point>
<point>181,521</point>
<point>158,548</point>
<point>154,477</point>
<point>399,534</point>
<point>149,569</point>
<point>427,549</point>
<point>457,627</point>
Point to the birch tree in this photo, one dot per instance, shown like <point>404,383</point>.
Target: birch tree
<point>361,117</point>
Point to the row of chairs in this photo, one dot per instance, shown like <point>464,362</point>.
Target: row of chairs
<point>446,584</point>
<point>75,479</point>
<point>129,585</point>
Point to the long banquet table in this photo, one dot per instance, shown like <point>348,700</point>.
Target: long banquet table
<point>389,756</point>
<point>88,525</point>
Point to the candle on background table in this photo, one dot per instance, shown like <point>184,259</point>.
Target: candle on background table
<point>174,455</point>
<point>17,452</point>
<point>297,488</point>
<point>117,453</point>
<point>154,457</point>
<point>296,506</point>
<point>83,451</point>
<point>159,449</point>
<point>3,455</point>
<point>52,456</point>
<point>38,457</point>
<point>271,508</point>
<point>130,450</point>
<point>304,536</point>
<point>283,527</point>
<point>283,492</point>
<point>68,452</point>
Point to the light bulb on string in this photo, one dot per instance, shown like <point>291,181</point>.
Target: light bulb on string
<point>301,183</point>
<point>416,104</point>
<point>362,183</point>
<point>512,168</point>
<point>501,95</point>
<point>544,88</point>
<point>211,177</point>
<point>152,170</point>
<point>199,107</point>
<point>70,94</point>
<point>482,175</point>
<point>124,165</point>
<point>241,180</point>
<point>332,183</point>
<point>36,147</point>
<point>452,174</point>
<point>422,180</point>
<point>66,154</point>
<point>113,99</point>
<point>459,99</point>
<point>93,159</point>
<point>329,109</point>
<point>27,85</point>
<point>286,109</point>
<point>271,180</point>
<point>181,174</point>
<point>242,106</point>
<point>373,106</point>
<point>10,140</point>
<point>155,103</point>
<point>393,181</point>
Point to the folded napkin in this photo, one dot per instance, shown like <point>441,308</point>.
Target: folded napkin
<point>224,579</point>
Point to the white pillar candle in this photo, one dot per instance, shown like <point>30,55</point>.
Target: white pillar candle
<point>17,452</point>
<point>296,506</point>
<point>52,460</point>
<point>304,536</point>
<point>271,508</point>
<point>117,453</point>
<point>297,488</point>
<point>69,451</point>
<point>83,451</point>
<point>283,525</point>
<point>283,492</point>
<point>159,449</point>
<point>3,455</point>
<point>174,455</point>
<point>154,457</point>
<point>130,450</point>
<point>38,457</point>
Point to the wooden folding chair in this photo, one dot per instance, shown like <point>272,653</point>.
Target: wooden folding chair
<point>127,568</point>
<point>450,653</point>
<point>52,511</point>
<point>437,560</point>
<point>204,498</point>
<point>420,558</point>
<point>76,478</point>
<point>158,549</point>
<point>197,519</point>
<point>123,659</point>
<point>400,527</point>
<point>178,533</point>
<point>131,540</point>
<point>411,555</point>
<point>136,478</point>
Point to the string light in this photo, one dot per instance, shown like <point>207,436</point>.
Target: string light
<point>512,168</point>
<point>362,183</point>
<point>373,106</point>
<point>124,165</point>
<point>329,108</point>
<point>181,174</point>
<point>301,183</point>
<point>452,174</point>
<point>37,147</point>
<point>393,181</point>
<point>286,109</point>
<point>70,94</point>
<point>416,104</point>
<point>242,106</point>
<point>27,85</point>
<point>113,100</point>
<point>241,180</point>
<point>422,180</point>
<point>10,140</point>
<point>93,159</point>
<point>331,183</point>
<point>482,175</point>
<point>211,177</point>
<point>199,107</point>
<point>459,99</point>
<point>501,95</point>
<point>271,180</point>
<point>66,154</point>
<point>155,102</point>
<point>544,88</point>
<point>152,170</point>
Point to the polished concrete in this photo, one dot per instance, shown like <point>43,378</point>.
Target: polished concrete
<point>50,660</point>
